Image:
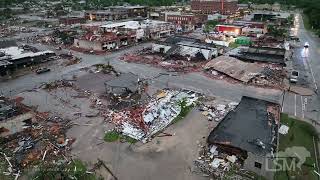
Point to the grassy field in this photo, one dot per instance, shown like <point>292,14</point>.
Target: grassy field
<point>300,134</point>
<point>115,136</point>
<point>184,111</point>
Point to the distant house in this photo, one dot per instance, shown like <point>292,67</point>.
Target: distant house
<point>250,133</point>
<point>71,20</point>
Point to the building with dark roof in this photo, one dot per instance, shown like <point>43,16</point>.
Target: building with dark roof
<point>126,83</point>
<point>71,20</point>
<point>260,54</point>
<point>249,132</point>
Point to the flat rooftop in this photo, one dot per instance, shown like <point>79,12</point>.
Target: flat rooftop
<point>15,53</point>
<point>264,55</point>
<point>133,24</point>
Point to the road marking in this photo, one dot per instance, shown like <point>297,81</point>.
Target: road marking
<point>283,99</point>
<point>295,105</point>
<point>314,80</point>
<point>302,107</point>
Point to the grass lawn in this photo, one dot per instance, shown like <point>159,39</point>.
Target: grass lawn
<point>111,136</point>
<point>75,170</point>
<point>115,136</point>
<point>300,134</point>
<point>184,111</point>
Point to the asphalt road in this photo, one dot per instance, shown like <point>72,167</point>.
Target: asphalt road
<point>193,81</point>
<point>306,61</point>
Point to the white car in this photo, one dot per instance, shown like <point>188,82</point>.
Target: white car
<point>294,76</point>
<point>306,44</point>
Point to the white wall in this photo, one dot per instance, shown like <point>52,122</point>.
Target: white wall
<point>157,47</point>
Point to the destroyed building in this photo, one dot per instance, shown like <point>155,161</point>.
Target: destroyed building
<point>141,123</point>
<point>106,15</point>
<point>144,29</point>
<point>124,84</point>
<point>14,57</point>
<point>260,54</point>
<point>104,41</point>
<point>13,117</point>
<point>6,110</point>
<point>115,35</point>
<point>187,47</point>
<point>29,138</point>
<point>234,68</point>
<point>250,133</point>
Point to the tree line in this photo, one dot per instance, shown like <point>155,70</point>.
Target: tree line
<point>101,3</point>
<point>311,9</point>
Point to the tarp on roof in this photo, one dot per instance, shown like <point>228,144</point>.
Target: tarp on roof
<point>243,41</point>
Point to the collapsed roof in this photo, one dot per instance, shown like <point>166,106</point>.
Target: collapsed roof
<point>185,46</point>
<point>260,54</point>
<point>251,127</point>
<point>234,68</point>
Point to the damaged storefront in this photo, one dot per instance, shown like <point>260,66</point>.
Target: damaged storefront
<point>231,144</point>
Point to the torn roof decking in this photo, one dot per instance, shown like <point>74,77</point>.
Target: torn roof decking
<point>178,39</point>
<point>250,121</point>
<point>234,68</point>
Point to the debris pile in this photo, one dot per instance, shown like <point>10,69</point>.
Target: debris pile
<point>270,77</point>
<point>57,84</point>
<point>217,112</point>
<point>142,122</point>
<point>41,139</point>
<point>215,163</point>
<point>174,63</point>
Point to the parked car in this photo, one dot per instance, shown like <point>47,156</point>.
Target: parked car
<point>42,70</point>
<point>306,44</point>
<point>294,76</point>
